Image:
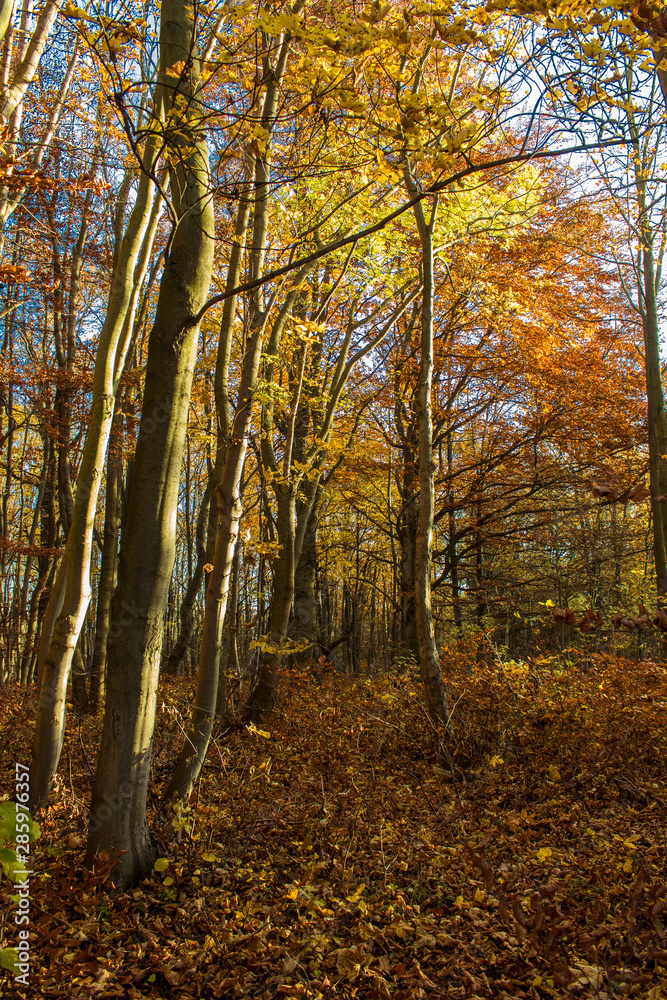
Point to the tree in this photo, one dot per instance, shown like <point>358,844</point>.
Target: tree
<point>117,815</point>
<point>70,596</point>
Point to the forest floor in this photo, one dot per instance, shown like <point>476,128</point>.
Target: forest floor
<point>344,852</point>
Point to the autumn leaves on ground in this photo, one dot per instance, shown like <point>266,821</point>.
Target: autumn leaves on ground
<point>347,851</point>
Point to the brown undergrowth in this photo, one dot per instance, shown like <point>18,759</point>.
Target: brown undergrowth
<point>348,850</point>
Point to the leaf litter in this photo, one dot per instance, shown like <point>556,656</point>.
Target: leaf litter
<point>348,849</point>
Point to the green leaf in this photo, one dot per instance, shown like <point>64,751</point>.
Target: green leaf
<point>17,872</point>
<point>8,859</point>
<point>9,958</point>
<point>8,822</point>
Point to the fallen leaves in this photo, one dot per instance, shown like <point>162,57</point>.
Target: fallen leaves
<point>353,871</point>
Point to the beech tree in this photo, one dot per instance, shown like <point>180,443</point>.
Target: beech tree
<point>117,816</point>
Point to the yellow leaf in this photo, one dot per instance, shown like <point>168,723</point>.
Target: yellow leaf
<point>593,48</point>
<point>252,728</point>
<point>355,895</point>
<point>553,772</point>
<point>544,853</point>
<point>161,864</point>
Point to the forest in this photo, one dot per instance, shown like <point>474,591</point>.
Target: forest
<point>333,521</point>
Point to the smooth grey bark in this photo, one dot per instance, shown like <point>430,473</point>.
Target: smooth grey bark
<point>649,277</point>
<point>429,660</point>
<point>229,510</point>
<point>230,667</point>
<point>452,554</point>
<point>253,176</point>
<point>305,599</point>
<point>186,612</point>
<point>6,10</point>
<point>107,578</point>
<point>79,676</point>
<point>263,694</point>
<point>406,426</point>
<point>118,810</point>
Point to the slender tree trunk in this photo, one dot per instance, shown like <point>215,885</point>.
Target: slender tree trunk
<point>616,548</point>
<point>187,610</point>
<point>230,667</point>
<point>230,508</point>
<point>33,615</point>
<point>452,554</point>
<point>406,428</point>
<point>657,421</point>
<point>263,695</point>
<point>205,553</point>
<point>305,600</point>
<point>648,308</point>
<point>23,601</point>
<point>232,442</point>
<point>107,579</point>
<point>429,661</point>
<point>71,595</point>
<point>480,599</point>
<point>408,540</point>
<point>79,676</point>
<point>118,810</point>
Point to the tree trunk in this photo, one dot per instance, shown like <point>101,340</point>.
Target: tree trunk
<point>206,550</point>
<point>230,508</point>
<point>429,661</point>
<point>230,668</point>
<point>648,276</point>
<point>657,420</point>
<point>405,423</point>
<point>452,554</point>
<point>71,595</point>
<point>408,539</point>
<point>187,618</point>
<point>232,441</point>
<point>108,565</point>
<point>263,695</point>
<point>118,810</point>
<point>79,675</point>
<point>305,600</point>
